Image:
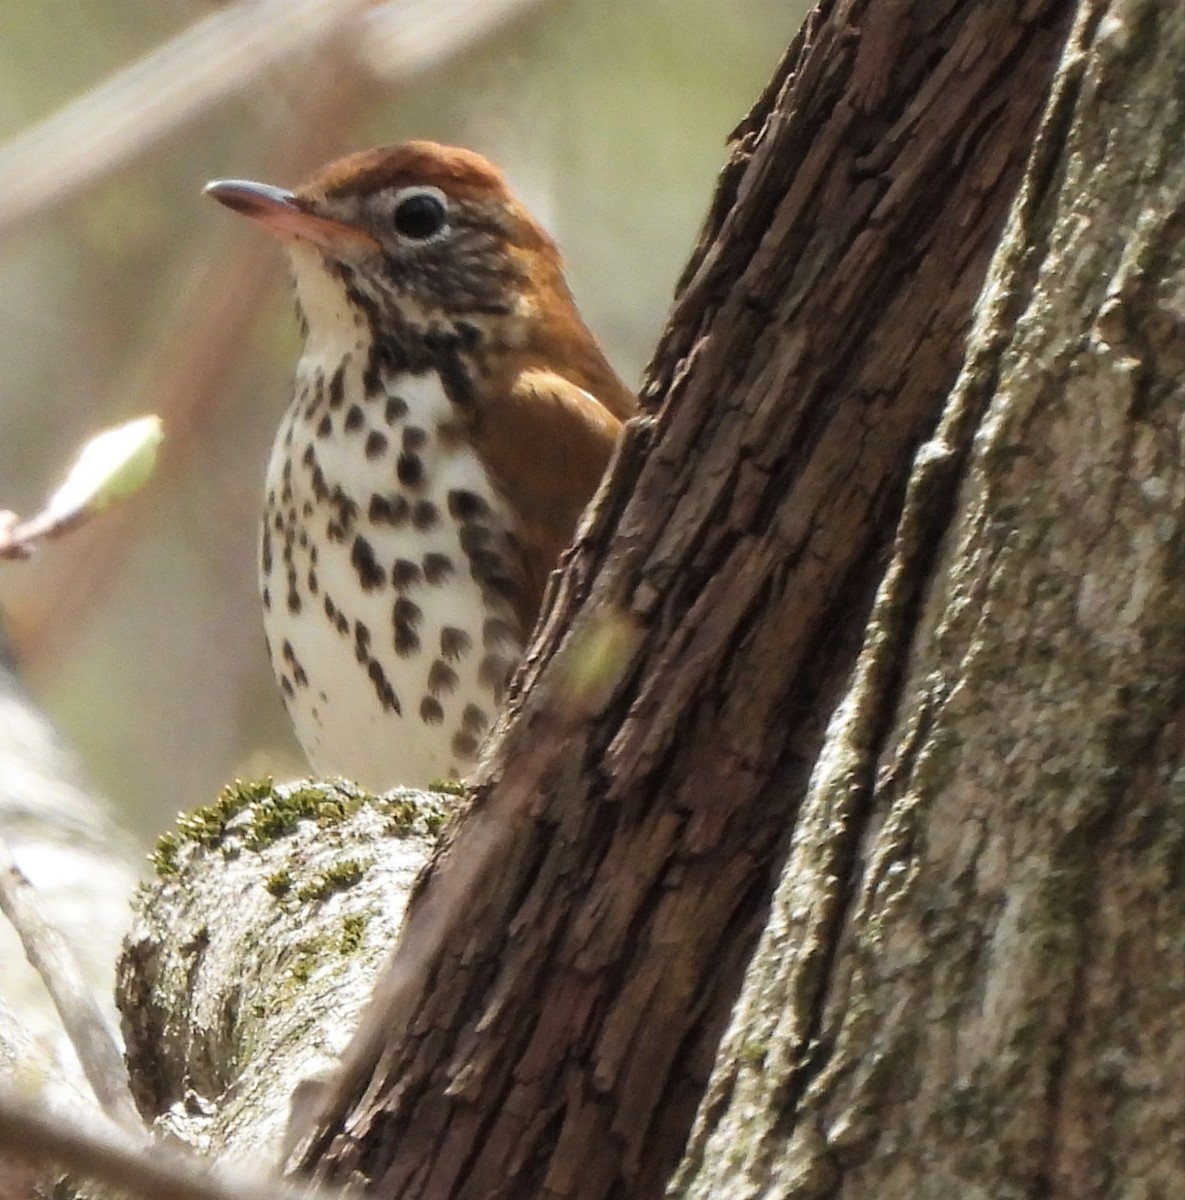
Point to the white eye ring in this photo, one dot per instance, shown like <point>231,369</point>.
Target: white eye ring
<point>420,213</point>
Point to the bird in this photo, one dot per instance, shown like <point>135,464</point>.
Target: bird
<point>451,417</point>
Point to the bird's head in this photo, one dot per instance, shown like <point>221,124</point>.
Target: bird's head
<point>416,233</point>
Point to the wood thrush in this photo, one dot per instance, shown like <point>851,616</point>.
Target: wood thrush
<point>452,416</point>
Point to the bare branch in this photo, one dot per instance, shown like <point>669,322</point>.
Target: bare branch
<point>106,1155</point>
<point>50,954</point>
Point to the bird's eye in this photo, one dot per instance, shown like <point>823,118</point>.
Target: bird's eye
<point>420,213</point>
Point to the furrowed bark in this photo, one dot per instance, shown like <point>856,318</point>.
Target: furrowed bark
<point>973,980</point>
<point>569,963</point>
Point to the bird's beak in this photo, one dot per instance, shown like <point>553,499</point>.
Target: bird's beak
<point>285,215</point>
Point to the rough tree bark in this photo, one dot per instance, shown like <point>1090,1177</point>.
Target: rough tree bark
<point>973,981</point>
<point>569,964</point>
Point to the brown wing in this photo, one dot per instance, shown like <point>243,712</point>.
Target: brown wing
<point>546,446</point>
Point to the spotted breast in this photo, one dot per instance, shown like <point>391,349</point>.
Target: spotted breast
<point>452,417</point>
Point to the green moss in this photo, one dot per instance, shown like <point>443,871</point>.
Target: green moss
<point>278,813</point>
<point>207,824</point>
<point>305,957</point>
<point>338,878</point>
<point>275,814</point>
<point>279,884</point>
<point>420,814</point>
<point>353,927</point>
<point>449,787</point>
<point>752,1052</point>
<point>164,856</point>
<point>239,795</point>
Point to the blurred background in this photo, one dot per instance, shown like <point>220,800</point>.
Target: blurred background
<point>123,291</point>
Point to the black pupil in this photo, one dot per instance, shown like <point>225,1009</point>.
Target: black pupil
<point>419,216</point>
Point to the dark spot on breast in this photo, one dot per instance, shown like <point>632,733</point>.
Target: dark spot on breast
<point>382,686</point>
<point>437,568</point>
<point>410,469</point>
<point>336,617</point>
<point>289,655</point>
<point>347,509</point>
<point>320,490</point>
<point>395,409</point>
<point>324,426</point>
<point>441,678</point>
<point>370,574</point>
<point>424,515</point>
<point>413,439</point>
<point>407,641</point>
<point>361,642</point>
<point>337,387</point>
<point>388,356</point>
<point>454,642</point>
<point>294,604</point>
<point>474,539</point>
<point>376,444</point>
<point>466,506</point>
<point>266,596</point>
<point>408,611</point>
<point>391,509</point>
<point>354,419</point>
<point>405,573</point>
<point>286,686</point>
<point>474,719</point>
<point>309,457</point>
<point>265,551</point>
<point>430,711</point>
<point>406,616</point>
<point>485,564</point>
<point>464,744</point>
<point>313,583</point>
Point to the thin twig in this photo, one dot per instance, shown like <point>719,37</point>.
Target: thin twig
<point>18,539</point>
<point>51,956</point>
<point>107,1156</point>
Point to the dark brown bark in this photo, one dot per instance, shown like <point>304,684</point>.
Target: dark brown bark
<point>568,965</point>
<point>972,982</point>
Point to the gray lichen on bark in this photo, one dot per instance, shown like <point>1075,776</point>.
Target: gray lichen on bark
<point>973,980</point>
<point>255,948</point>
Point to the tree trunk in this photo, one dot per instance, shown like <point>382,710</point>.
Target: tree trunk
<point>567,968</point>
<point>973,980</point>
